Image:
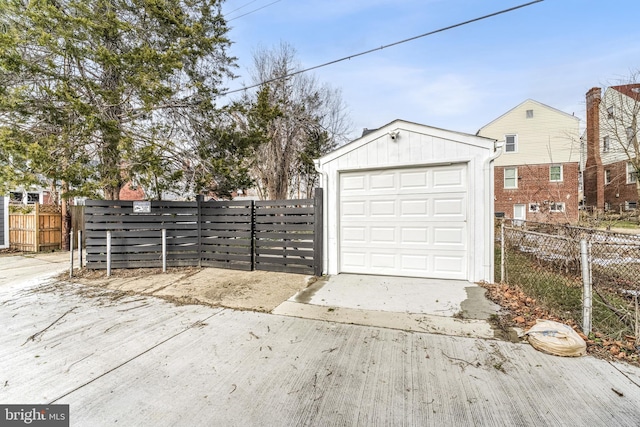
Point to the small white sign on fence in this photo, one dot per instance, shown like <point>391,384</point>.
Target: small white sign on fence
<point>141,207</point>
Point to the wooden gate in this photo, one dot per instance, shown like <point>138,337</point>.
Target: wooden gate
<point>35,228</point>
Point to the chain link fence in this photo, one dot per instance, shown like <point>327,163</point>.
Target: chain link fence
<point>546,261</point>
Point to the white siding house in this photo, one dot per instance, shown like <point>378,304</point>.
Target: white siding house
<point>410,200</point>
<point>535,134</point>
<point>537,176</point>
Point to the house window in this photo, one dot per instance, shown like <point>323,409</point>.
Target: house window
<point>630,206</point>
<point>15,197</point>
<point>529,114</point>
<point>607,206</point>
<point>610,113</point>
<point>556,207</point>
<point>607,176</point>
<point>510,177</point>
<point>632,174</point>
<point>511,143</point>
<point>555,173</point>
<point>534,207</point>
<point>606,144</point>
<point>33,197</point>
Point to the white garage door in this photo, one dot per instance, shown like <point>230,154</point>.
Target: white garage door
<point>405,222</point>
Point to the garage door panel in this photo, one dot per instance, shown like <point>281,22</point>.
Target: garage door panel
<point>353,183</point>
<point>384,260</point>
<point>355,208</point>
<point>413,180</point>
<point>353,260</point>
<point>386,181</point>
<point>452,207</point>
<point>383,234</point>
<point>354,234</point>
<point>415,235</point>
<point>382,208</point>
<point>449,236</point>
<point>419,207</point>
<point>447,264</point>
<point>408,222</point>
<point>449,177</point>
<point>415,263</point>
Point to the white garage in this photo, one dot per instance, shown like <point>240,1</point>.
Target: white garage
<point>410,200</point>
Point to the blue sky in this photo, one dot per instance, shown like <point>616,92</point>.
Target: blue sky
<point>461,79</point>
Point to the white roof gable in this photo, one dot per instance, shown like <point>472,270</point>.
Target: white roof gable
<point>402,125</point>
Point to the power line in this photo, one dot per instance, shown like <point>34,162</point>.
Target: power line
<point>241,7</point>
<point>255,10</point>
<point>381,47</point>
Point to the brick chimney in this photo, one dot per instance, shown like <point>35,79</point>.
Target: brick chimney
<point>593,170</point>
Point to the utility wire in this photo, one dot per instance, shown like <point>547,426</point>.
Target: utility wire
<point>241,7</point>
<point>255,10</point>
<point>381,47</point>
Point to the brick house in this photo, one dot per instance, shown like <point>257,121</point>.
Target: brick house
<point>536,177</point>
<point>610,179</point>
<point>131,192</point>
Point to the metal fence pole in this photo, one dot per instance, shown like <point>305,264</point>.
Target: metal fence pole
<point>108,253</point>
<point>164,250</point>
<point>587,289</point>
<point>80,248</point>
<point>71,253</point>
<point>502,278</point>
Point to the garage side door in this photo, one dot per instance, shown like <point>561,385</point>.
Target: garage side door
<point>405,222</point>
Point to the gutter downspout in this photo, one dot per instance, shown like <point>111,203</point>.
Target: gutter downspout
<point>325,215</point>
<point>488,170</point>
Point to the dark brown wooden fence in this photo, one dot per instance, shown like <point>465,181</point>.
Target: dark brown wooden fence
<point>245,235</point>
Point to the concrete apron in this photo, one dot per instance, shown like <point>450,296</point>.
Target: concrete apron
<point>449,307</point>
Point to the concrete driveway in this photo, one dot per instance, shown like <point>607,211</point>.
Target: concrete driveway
<point>139,360</point>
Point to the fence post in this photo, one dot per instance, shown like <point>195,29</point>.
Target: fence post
<point>79,248</point>
<point>71,253</point>
<point>318,221</point>
<point>164,250</point>
<point>502,278</point>
<point>199,200</point>
<point>108,253</point>
<point>587,290</point>
<point>36,226</point>
<point>252,216</point>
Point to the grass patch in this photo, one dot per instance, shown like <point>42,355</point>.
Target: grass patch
<point>562,295</point>
<point>623,224</point>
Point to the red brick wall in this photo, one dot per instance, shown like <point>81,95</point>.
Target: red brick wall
<point>128,193</point>
<point>593,173</point>
<point>618,191</point>
<point>534,187</point>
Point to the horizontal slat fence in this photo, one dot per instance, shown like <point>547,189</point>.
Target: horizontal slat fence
<point>243,235</point>
<point>136,238</point>
<point>226,234</point>
<point>285,233</point>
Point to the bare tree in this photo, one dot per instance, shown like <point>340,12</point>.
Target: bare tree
<point>298,117</point>
<point>619,113</point>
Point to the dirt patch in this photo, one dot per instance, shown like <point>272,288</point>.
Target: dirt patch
<point>9,251</point>
<point>242,290</point>
<point>521,311</point>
